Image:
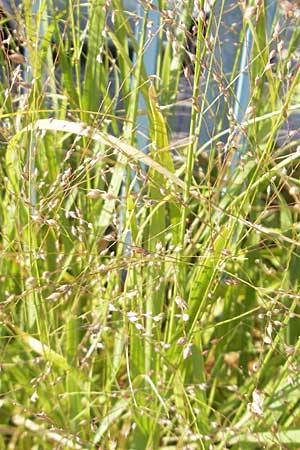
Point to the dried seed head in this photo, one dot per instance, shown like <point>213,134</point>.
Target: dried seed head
<point>231,359</point>
<point>46,275</point>
<point>180,302</point>
<point>31,281</point>
<point>54,296</point>
<point>289,350</point>
<point>187,351</point>
<point>288,8</point>
<point>250,110</point>
<point>51,222</point>
<point>267,340</point>
<point>294,190</point>
<point>249,12</point>
<point>181,341</point>
<point>94,193</point>
<point>257,403</point>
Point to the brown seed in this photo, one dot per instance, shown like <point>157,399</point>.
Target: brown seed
<point>231,359</point>
<point>16,58</point>
<point>249,12</point>
<point>139,250</point>
<point>288,8</point>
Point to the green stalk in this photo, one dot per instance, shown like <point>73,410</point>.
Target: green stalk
<point>193,123</point>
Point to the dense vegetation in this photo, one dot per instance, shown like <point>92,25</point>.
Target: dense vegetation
<point>149,301</point>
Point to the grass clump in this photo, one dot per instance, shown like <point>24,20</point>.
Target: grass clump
<point>149,296</point>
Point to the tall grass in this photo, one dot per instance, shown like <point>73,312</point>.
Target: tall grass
<point>187,336</point>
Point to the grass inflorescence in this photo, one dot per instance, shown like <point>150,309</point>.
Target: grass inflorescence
<point>150,292</point>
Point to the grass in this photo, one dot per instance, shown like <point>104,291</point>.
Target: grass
<point>148,300</point>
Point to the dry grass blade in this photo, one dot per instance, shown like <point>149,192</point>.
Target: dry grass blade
<point>81,129</point>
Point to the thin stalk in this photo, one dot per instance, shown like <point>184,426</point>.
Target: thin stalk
<point>192,130</point>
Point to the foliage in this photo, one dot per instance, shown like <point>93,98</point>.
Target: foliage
<point>148,301</point>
